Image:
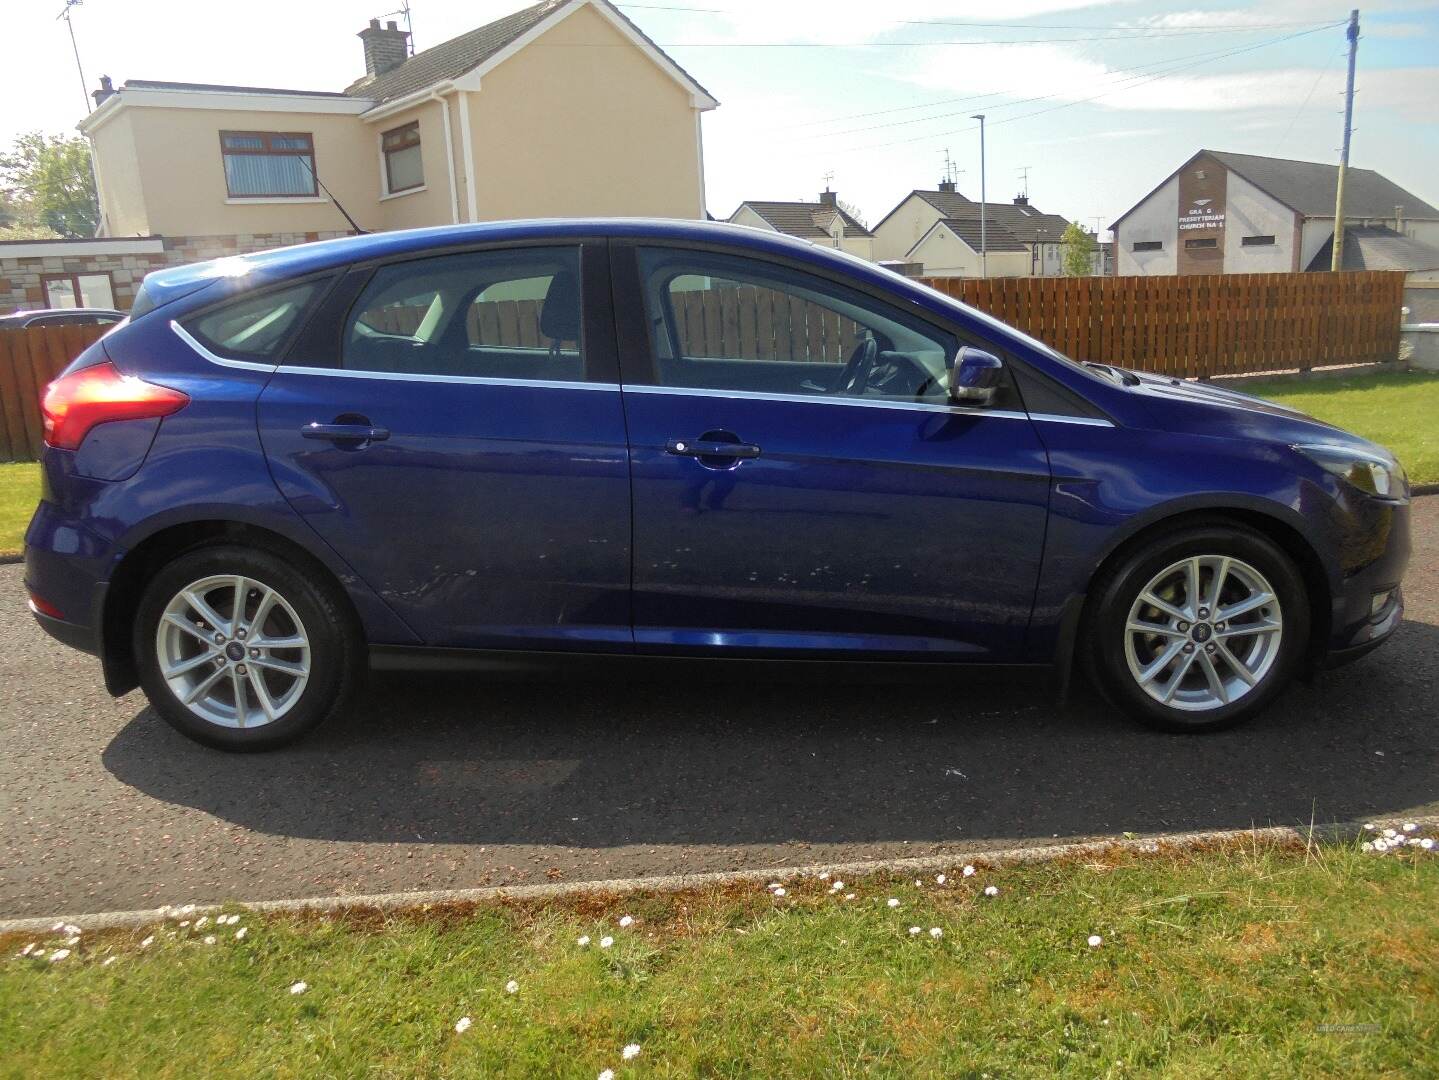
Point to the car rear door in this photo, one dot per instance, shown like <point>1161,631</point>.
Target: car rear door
<point>452,427</point>
<point>787,503</point>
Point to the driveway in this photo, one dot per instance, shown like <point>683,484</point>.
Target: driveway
<point>453,782</point>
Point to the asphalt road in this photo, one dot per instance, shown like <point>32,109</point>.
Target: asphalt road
<point>455,782</point>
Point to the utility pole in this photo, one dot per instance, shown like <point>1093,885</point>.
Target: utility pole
<point>1352,33</point>
<point>65,14</point>
<point>983,198</point>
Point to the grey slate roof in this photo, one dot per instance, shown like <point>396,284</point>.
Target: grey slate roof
<point>996,236</point>
<point>1377,247</point>
<point>1024,223</point>
<point>1308,187</point>
<point>451,59</point>
<point>806,220</point>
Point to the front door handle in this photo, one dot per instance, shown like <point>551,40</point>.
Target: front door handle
<point>355,433</point>
<point>703,448</point>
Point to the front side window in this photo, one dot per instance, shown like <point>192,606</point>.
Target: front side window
<point>268,163</point>
<point>511,314</point>
<point>725,323</point>
<point>403,167</point>
<point>255,326</point>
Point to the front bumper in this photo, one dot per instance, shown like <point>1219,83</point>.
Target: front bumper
<point>1357,625</point>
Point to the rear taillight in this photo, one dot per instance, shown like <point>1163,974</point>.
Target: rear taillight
<point>75,403</point>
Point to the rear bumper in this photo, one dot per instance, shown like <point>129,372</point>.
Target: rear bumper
<point>75,635</point>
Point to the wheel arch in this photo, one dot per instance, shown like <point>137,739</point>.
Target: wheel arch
<point>145,559</point>
<point>1277,524</point>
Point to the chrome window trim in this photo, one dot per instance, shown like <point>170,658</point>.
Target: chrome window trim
<point>458,380</point>
<point>864,403</point>
<point>190,340</point>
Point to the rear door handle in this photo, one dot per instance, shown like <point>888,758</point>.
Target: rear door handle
<point>707,448</point>
<point>345,432</point>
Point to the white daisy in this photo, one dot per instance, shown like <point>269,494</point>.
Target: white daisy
<point>824,875</point>
<point>1427,844</point>
<point>837,886</point>
<point>936,933</point>
<point>109,960</point>
<point>240,933</point>
<point>606,942</point>
<point>582,940</point>
<point>28,949</point>
<point>512,987</point>
<point>148,942</point>
<point>772,886</point>
<point>991,890</point>
<point>915,930</point>
<point>73,940</point>
<point>1095,941</point>
<point>59,926</point>
<point>299,987</point>
<point>201,921</point>
<point>892,902</point>
<point>627,920</point>
<point>779,892</point>
<point>1381,845</point>
<point>59,954</point>
<point>630,1052</point>
<point>849,896</point>
<point>184,922</point>
<point>607,1074</point>
<point>918,884</point>
<point>1366,846</point>
<point>1389,834</point>
<point>1369,826</point>
<point>462,1025</point>
<point>209,939</point>
<point>72,930</point>
<point>1410,826</point>
<point>939,879</point>
<point>969,871</point>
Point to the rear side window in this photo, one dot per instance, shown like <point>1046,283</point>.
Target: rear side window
<point>256,326</point>
<point>512,314</point>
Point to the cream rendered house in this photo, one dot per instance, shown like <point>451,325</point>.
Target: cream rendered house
<point>562,109</point>
<point>920,219</point>
<point>824,223</point>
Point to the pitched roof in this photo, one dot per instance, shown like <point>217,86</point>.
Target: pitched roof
<point>1024,222</point>
<point>453,58</point>
<point>1377,247</point>
<point>1308,187</point>
<point>996,236</point>
<point>807,220</point>
<point>948,203</point>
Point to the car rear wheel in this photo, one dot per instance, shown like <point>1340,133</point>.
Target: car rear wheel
<point>1200,629</point>
<point>240,650</point>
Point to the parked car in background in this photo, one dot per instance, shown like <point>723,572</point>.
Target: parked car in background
<point>497,444</point>
<point>20,320</point>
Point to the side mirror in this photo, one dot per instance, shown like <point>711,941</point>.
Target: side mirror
<point>976,378</point>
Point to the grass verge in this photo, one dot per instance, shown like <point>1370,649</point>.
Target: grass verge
<point>1237,961</point>
<point>1397,409</point>
<point>19,492</point>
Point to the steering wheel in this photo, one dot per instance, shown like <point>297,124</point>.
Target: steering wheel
<point>855,376</point>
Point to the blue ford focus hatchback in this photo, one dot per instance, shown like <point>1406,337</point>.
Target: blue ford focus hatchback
<point>560,440</point>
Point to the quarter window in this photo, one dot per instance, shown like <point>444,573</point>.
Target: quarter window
<point>255,326</point>
<point>498,314</point>
<point>725,323</point>
<point>268,163</point>
<point>403,167</point>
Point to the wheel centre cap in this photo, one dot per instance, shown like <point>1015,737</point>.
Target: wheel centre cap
<point>1201,632</point>
<point>234,651</point>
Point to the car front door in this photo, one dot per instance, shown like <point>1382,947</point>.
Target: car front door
<point>452,427</point>
<point>802,484</point>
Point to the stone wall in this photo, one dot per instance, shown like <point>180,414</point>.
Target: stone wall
<point>20,276</point>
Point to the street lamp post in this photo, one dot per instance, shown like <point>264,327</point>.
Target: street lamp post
<point>983,233</point>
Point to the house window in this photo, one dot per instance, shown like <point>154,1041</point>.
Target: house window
<point>403,169</point>
<point>78,290</point>
<point>1201,242</point>
<point>1258,241</point>
<point>1148,245</point>
<point>268,164</point>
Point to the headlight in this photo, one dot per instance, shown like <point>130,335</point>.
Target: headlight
<point>1370,473</point>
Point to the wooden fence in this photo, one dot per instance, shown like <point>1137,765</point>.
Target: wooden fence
<point>1183,326</point>
<point>29,359</point>
<point>1201,326</point>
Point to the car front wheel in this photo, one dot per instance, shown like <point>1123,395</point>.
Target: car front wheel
<point>1199,629</point>
<point>240,650</point>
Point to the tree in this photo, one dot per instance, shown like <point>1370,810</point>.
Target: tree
<point>46,185</point>
<point>1078,249</point>
<point>853,211</point>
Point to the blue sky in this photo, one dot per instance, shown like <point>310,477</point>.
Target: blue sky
<point>1100,100</point>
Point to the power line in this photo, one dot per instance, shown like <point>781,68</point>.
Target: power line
<point>1095,97</point>
<point>1305,103</point>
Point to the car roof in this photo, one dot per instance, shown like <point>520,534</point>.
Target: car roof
<point>34,313</point>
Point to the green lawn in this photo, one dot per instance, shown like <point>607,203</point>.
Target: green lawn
<point>19,492</point>
<point>1245,961</point>
<point>1398,409</point>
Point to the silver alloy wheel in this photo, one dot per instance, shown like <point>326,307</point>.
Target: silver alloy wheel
<point>1203,633</point>
<point>233,651</point>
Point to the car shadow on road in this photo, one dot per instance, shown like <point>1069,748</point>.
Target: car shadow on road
<point>742,761</point>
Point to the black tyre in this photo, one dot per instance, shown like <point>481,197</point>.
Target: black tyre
<point>252,682</point>
<point>1198,629</point>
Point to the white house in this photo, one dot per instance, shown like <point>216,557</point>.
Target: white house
<point>824,222</point>
<point>911,223</point>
